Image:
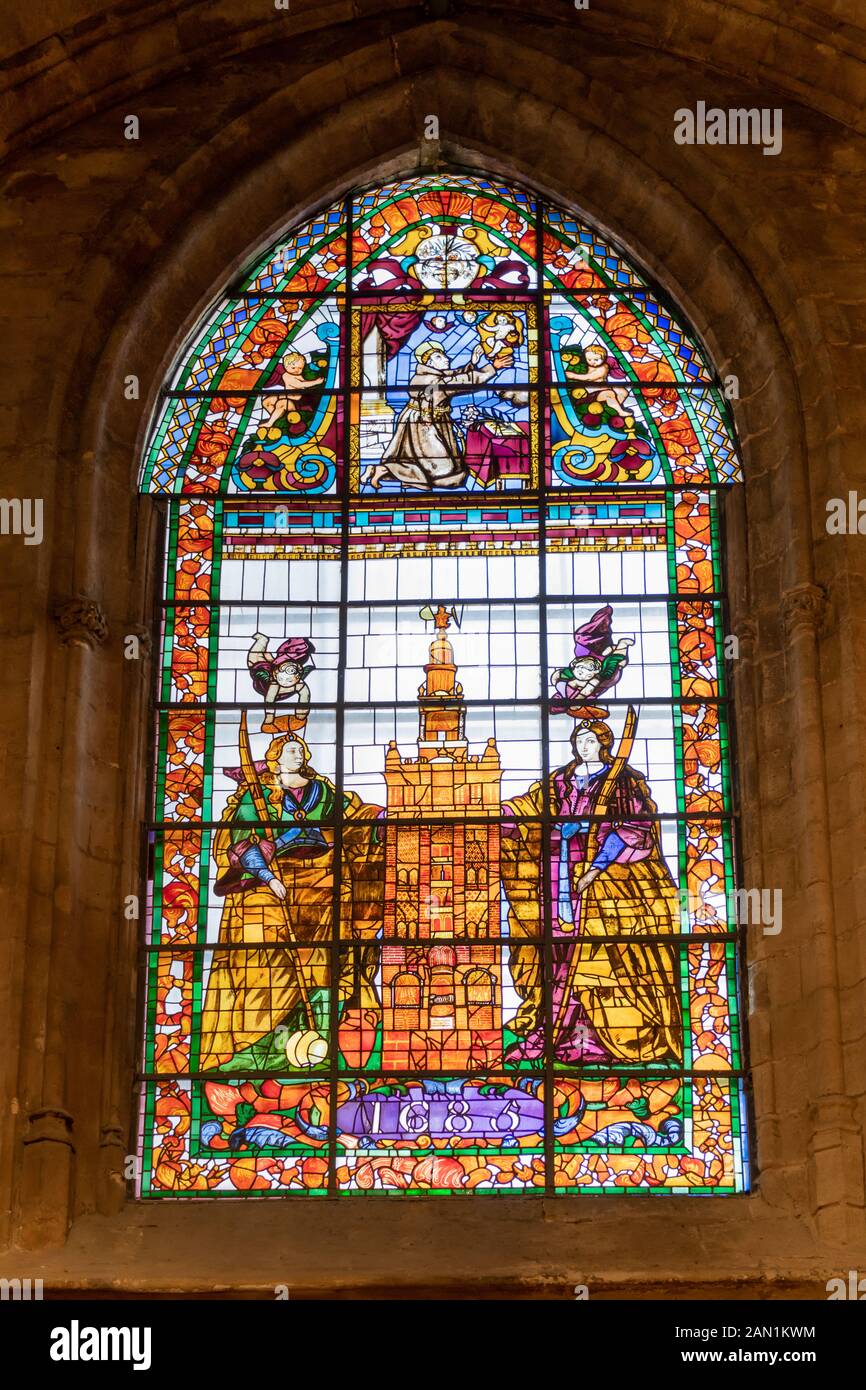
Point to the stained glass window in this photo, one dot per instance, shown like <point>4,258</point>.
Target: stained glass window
<point>441,847</point>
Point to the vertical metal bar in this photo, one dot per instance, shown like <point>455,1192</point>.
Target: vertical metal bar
<point>745,1139</point>
<point>546,963</point>
<point>339,717</point>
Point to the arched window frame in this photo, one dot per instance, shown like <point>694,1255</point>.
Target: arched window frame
<point>201,492</point>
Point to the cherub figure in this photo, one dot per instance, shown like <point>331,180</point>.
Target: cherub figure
<point>598,370</point>
<point>281,678</point>
<point>597,666</point>
<point>500,333</point>
<point>288,375</point>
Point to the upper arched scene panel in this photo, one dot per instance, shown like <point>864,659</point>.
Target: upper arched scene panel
<point>445,333</point>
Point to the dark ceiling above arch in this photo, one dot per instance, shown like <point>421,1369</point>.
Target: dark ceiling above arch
<point>81,58</point>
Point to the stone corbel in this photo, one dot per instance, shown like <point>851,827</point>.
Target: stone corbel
<point>746,633</point>
<point>803,610</point>
<point>50,1125</point>
<point>80,622</point>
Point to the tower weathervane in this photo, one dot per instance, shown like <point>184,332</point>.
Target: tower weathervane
<point>443,617</point>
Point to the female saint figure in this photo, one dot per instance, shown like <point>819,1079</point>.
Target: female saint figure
<point>614,1001</point>
<point>278,885</point>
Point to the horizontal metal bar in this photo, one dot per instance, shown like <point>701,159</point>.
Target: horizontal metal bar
<point>460,299</point>
<point>450,702</point>
<point>402,388</point>
<point>557,495</point>
<point>646,1071</point>
<point>531,601</point>
<point>687,939</point>
<point>668,817</point>
<point>603,494</point>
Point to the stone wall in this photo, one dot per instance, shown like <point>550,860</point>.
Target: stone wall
<point>248,119</point>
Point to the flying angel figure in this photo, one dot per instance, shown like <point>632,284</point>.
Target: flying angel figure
<point>280,678</point>
<point>596,668</point>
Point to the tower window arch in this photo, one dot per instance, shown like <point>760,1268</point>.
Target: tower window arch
<point>480,988</point>
<point>443,605</point>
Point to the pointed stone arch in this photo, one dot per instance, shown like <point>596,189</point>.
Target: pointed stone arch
<point>165,256</point>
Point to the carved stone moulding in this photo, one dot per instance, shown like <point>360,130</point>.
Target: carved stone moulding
<point>803,607</point>
<point>80,622</point>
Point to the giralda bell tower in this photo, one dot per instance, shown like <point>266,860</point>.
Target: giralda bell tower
<point>442,997</point>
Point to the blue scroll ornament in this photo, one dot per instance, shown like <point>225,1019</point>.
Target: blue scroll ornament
<point>573,461</point>
<point>292,466</point>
